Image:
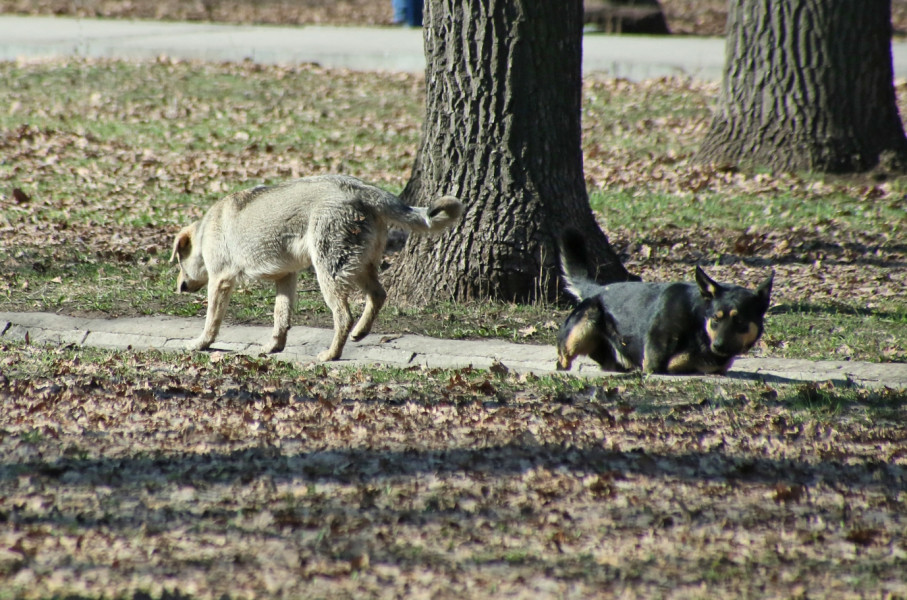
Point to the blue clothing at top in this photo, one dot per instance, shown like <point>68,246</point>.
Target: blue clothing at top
<point>407,12</point>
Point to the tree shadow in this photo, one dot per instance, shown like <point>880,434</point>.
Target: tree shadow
<point>366,466</point>
<point>832,253</point>
<point>832,308</point>
<point>139,595</point>
<point>371,471</point>
<point>789,259</point>
<point>772,378</point>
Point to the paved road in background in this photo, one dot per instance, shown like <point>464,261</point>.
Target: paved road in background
<point>359,48</point>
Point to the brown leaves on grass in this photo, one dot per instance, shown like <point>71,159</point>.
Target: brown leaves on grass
<point>68,172</point>
<point>246,477</point>
<point>20,197</point>
<point>810,266</point>
<point>649,152</point>
<point>112,176</point>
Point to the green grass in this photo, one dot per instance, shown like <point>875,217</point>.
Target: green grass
<point>146,287</point>
<point>840,331</point>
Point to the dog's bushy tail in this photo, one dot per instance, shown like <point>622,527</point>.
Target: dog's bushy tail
<point>575,266</point>
<point>443,213</point>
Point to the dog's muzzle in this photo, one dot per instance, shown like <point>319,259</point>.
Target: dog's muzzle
<point>727,349</point>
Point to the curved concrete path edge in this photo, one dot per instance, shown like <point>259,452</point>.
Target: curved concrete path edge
<point>401,350</point>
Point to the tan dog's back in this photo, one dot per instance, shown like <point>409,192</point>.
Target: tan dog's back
<point>335,223</point>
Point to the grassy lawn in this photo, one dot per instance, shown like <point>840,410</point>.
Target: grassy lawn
<point>213,476</point>
<point>97,177</point>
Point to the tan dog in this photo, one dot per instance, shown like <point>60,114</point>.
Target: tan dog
<point>334,223</point>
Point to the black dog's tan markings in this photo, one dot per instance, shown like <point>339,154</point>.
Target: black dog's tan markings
<point>657,327</point>
<point>583,335</point>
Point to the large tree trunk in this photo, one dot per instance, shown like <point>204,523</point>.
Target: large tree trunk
<point>807,86</point>
<point>502,132</point>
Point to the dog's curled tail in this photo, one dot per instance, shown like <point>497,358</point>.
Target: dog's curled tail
<point>443,213</point>
<point>575,265</point>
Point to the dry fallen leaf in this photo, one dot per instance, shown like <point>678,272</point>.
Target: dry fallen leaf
<point>527,331</point>
<point>20,197</point>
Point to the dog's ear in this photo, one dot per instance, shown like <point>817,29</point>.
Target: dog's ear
<point>182,244</point>
<point>708,287</point>
<point>764,289</point>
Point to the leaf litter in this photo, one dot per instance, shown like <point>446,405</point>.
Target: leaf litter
<point>245,477</point>
<point>238,477</point>
<point>136,193</point>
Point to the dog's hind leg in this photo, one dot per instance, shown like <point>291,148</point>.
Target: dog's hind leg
<point>343,321</point>
<point>374,300</point>
<point>656,352</point>
<point>219,292</point>
<point>337,300</point>
<point>283,308</point>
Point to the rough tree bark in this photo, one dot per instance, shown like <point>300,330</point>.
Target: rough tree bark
<point>807,87</point>
<point>502,132</point>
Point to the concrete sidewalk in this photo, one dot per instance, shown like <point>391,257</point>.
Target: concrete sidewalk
<point>403,350</point>
<point>359,48</point>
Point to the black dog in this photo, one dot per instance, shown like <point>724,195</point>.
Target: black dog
<point>675,327</point>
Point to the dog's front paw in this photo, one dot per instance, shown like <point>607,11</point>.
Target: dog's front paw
<point>273,346</point>
<point>199,344</point>
<point>564,363</point>
<point>328,355</point>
